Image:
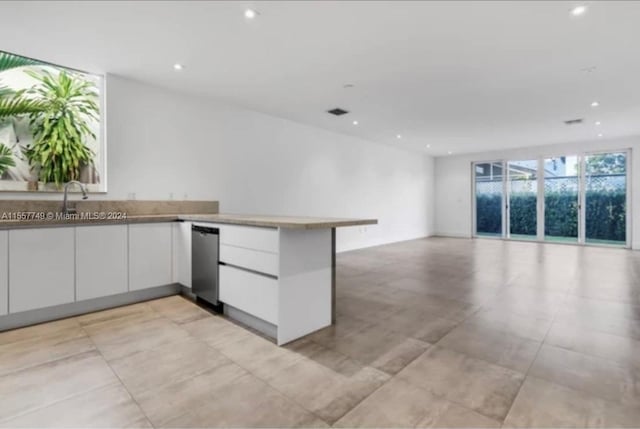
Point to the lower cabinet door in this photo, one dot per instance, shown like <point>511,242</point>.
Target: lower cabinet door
<point>4,272</point>
<point>150,255</point>
<point>252,293</point>
<point>101,261</point>
<point>182,253</point>
<point>41,268</point>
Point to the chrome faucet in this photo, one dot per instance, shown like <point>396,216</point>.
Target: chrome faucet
<point>65,208</point>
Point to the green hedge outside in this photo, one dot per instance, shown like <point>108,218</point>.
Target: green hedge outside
<point>489,213</point>
<point>605,214</point>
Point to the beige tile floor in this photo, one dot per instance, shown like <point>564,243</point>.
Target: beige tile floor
<point>430,333</point>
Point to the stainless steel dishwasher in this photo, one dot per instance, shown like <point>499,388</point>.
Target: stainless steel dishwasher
<point>204,263</point>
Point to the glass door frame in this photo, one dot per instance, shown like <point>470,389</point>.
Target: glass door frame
<point>540,204</point>
<point>474,214</point>
<point>507,199</point>
<point>582,232</point>
<point>580,156</point>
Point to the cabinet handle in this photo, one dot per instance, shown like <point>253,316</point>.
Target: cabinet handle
<point>271,276</point>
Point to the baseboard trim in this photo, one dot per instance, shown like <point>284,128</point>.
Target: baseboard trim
<point>48,314</point>
<point>452,235</point>
<point>369,246</point>
<point>262,326</point>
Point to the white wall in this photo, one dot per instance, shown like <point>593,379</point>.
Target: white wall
<point>453,201</point>
<point>163,145</point>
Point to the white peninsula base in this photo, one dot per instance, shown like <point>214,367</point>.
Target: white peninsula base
<point>276,280</point>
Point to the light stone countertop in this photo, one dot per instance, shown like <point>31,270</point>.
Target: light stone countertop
<point>294,222</point>
<point>234,219</point>
<point>43,223</point>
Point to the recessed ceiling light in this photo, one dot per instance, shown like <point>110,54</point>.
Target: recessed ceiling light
<point>250,13</point>
<point>398,136</point>
<point>428,146</point>
<point>595,104</point>
<point>600,135</point>
<point>178,66</point>
<point>579,10</point>
<point>598,123</point>
<point>449,152</point>
<point>355,122</point>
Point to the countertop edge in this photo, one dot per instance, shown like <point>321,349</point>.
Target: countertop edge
<point>205,218</point>
<point>338,223</point>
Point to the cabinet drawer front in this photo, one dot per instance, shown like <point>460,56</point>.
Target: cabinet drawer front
<point>256,260</point>
<point>251,293</point>
<point>249,237</point>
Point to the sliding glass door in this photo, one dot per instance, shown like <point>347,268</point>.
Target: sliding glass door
<point>489,199</point>
<point>606,198</point>
<point>568,199</point>
<point>561,199</point>
<point>522,210</point>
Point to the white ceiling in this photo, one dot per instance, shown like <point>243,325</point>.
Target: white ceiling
<point>460,76</point>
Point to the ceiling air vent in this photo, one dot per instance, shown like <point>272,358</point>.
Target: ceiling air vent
<point>573,121</point>
<point>338,111</point>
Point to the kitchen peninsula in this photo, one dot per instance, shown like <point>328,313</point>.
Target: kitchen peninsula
<point>277,273</point>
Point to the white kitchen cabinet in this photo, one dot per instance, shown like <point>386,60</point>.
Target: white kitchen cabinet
<point>279,275</point>
<point>304,282</point>
<point>101,261</point>
<point>249,247</point>
<point>41,268</point>
<point>4,272</point>
<point>150,255</point>
<point>182,253</point>
<point>255,260</point>
<point>250,237</point>
<point>252,293</point>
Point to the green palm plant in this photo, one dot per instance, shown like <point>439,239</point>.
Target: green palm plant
<point>9,61</point>
<point>12,103</point>
<point>6,159</point>
<point>61,129</point>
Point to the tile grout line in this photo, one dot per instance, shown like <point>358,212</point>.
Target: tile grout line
<point>40,363</point>
<point>458,323</point>
<point>384,383</point>
<point>196,374</point>
<point>526,374</point>
<point>217,350</point>
<point>394,376</point>
<point>365,398</point>
<point>48,362</point>
<point>590,356</point>
<point>263,380</point>
<point>57,401</point>
<point>468,317</point>
<point>118,376</point>
<point>311,360</point>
